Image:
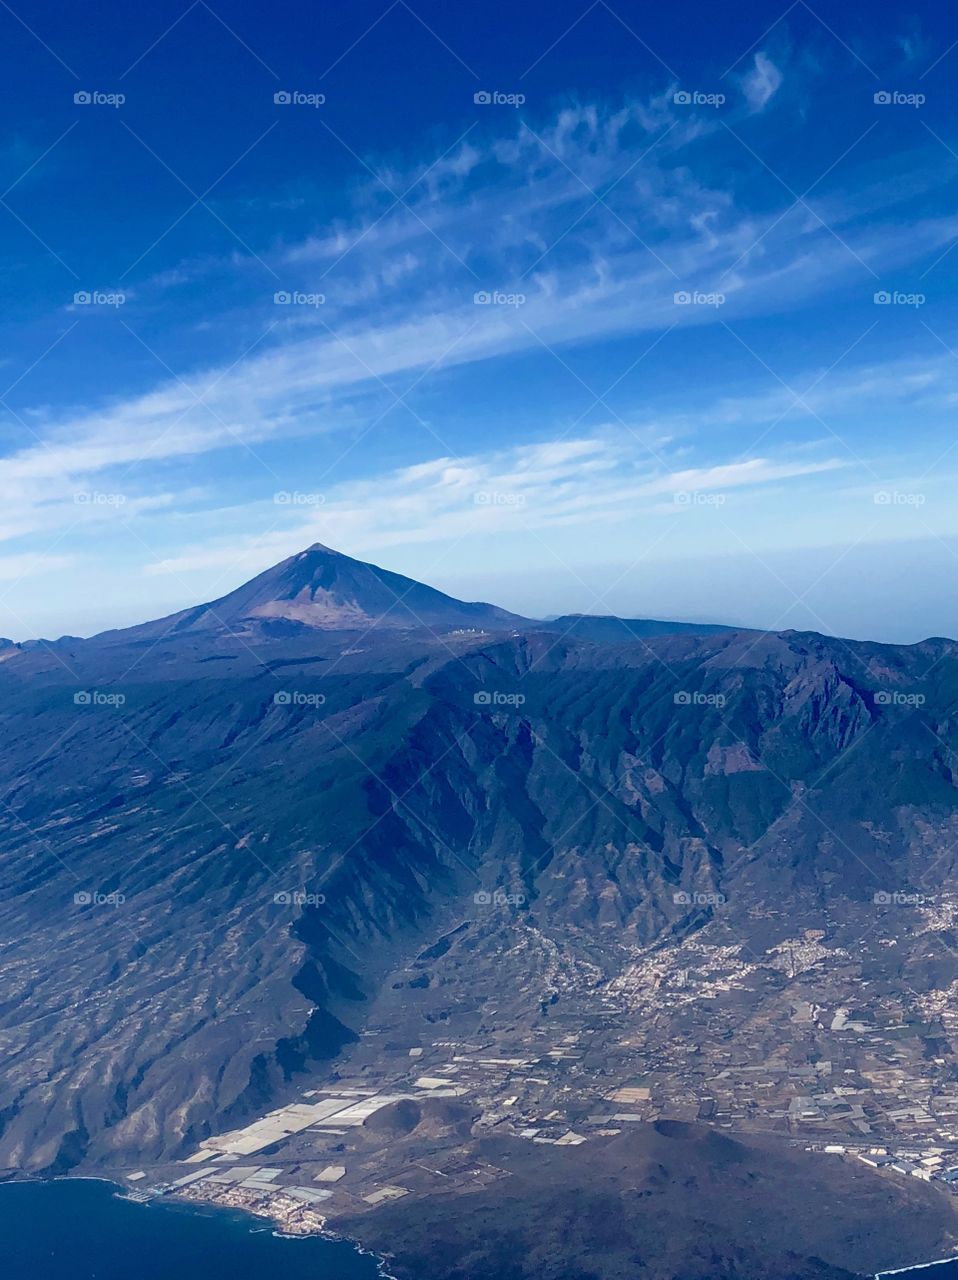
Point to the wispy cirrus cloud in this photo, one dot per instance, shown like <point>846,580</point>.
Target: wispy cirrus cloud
<point>615,478</point>
<point>591,227</point>
<point>761,83</point>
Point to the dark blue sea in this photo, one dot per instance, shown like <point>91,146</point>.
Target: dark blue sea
<point>82,1230</point>
<point>936,1271</point>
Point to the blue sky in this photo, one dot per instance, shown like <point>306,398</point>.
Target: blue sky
<point>571,306</point>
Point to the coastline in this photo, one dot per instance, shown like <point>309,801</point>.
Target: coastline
<point>918,1266</point>
<point>253,1220</point>
<point>323,1232</point>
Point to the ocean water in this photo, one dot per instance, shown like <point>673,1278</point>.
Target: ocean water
<point>934,1271</point>
<point>82,1230</point>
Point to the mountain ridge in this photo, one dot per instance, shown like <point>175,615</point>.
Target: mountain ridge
<point>597,782</point>
<point>328,590</point>
<point>234,862</point>
<point>325,589</point>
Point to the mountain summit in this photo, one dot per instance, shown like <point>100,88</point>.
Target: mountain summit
<point>321,589</point>
<point>329,591</point>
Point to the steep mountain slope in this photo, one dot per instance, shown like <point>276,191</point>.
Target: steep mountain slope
<point>329,591</point>
<point>214,849</point>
